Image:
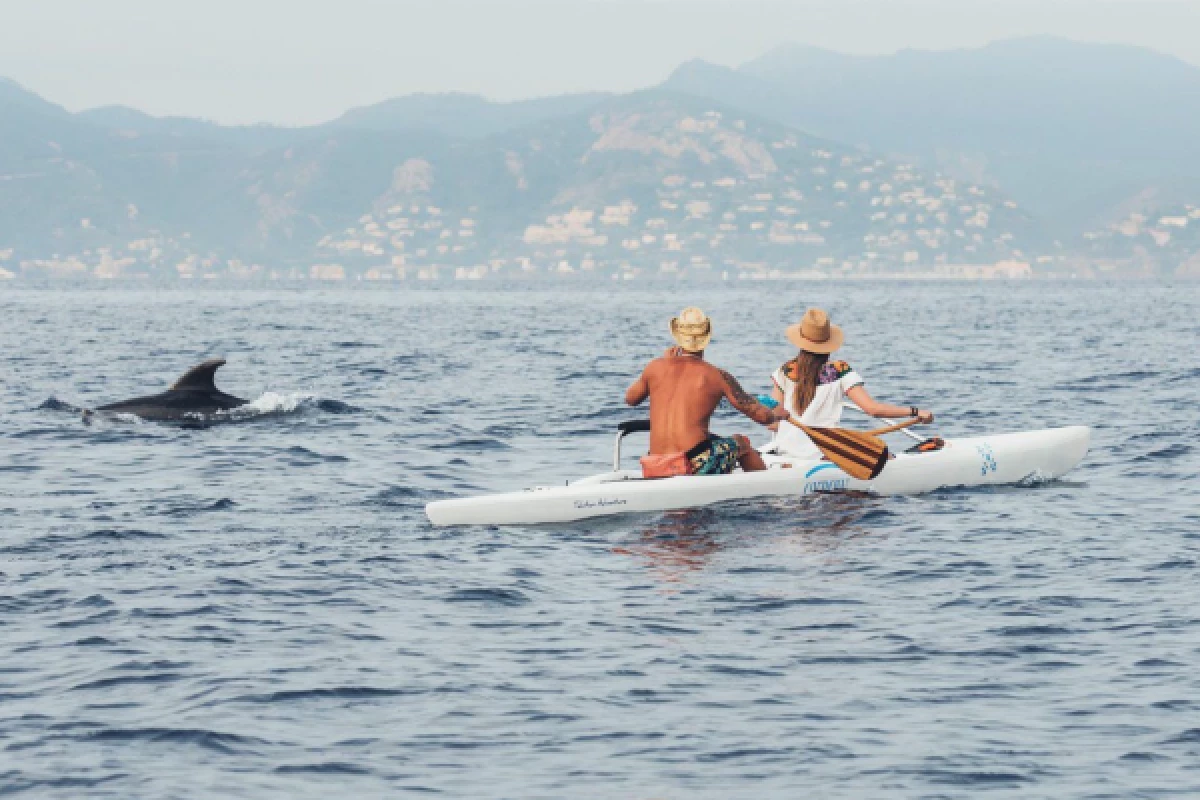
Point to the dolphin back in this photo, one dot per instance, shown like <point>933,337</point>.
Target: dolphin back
<point>194,393</point>
<point>201,378</point>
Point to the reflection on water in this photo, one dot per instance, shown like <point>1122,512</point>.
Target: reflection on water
<point>681,542</point>
<point>822,524</point>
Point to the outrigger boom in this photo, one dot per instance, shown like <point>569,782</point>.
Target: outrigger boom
<point>623,430</point>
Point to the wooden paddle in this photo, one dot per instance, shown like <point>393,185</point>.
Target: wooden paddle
<point>859,454</point>
<point>899,426</point>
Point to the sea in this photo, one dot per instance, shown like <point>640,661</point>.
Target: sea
<point>257,606</point>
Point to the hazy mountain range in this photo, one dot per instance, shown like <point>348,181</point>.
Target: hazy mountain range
<point>1068,129</point>
<point>1039,149</point>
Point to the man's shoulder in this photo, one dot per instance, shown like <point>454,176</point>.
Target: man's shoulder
<point>702,366</point>
<point>673,365</point>
<point>675,359</point>
<point>656,364</point>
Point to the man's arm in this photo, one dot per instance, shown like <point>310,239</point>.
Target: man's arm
<point>638,391</point>
<point>746,404</point>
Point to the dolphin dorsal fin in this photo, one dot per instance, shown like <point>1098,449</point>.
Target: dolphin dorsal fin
<point>200,377</point>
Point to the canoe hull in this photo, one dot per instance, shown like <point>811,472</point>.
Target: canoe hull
<point>1008,458</point>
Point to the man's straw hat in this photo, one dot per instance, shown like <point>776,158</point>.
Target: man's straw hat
<point>691,330</point>
<point>815,333</point>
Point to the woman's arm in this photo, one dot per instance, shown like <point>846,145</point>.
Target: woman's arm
<point>861,398</point>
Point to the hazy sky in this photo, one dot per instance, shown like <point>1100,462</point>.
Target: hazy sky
<point>303,61</point>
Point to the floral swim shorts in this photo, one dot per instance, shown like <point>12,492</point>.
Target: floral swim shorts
<point>717,456</point>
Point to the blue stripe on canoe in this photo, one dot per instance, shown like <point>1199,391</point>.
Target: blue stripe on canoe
<point>818,468</point>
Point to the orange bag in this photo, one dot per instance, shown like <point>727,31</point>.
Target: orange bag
<point>666,466</point>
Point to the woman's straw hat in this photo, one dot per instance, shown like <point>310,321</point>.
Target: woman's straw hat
<point>815,333</point>
<point>691,330</point>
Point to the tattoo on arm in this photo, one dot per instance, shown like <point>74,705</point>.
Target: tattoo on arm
<point>745,403</point>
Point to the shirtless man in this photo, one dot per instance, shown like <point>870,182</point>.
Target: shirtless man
<point>684,391</point>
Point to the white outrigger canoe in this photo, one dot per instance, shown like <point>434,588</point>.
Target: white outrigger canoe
<point>1007,458</point>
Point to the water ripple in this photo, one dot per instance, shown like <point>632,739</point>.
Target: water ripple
<point>256,605</point>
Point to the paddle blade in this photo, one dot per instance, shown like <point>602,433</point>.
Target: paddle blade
<point>860,455</point>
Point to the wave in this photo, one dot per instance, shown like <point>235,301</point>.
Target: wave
<point>128,680</point>
<point>407,497</point>
<point>324,768</point>
<point>276,404</point>
<point>1035,478</point>
<point>470,444</point>
<point>227,743</point>
<point>1109,380</point>
<point>52,403</point>
<point>200,507</point>
<point>124,535</point>
<point>1172,451</point>
<point>510,598</point>
<point>329,693</point>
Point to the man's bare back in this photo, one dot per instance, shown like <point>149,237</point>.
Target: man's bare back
<point>684,391</point>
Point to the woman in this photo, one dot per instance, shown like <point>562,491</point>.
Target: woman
<point>814,388</point>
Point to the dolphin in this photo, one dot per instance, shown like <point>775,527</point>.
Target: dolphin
<point>194,394</point>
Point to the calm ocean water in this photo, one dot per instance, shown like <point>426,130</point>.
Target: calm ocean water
<point>259,608</point>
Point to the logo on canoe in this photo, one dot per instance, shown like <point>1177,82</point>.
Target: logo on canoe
<point>600,503</point>
<point>824,486</point>
<point>830,484</point>
<point>989,459</point>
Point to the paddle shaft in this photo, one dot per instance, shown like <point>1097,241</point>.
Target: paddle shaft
<point>908,423</point>
<point>909,434</point>
<point>890,428</point>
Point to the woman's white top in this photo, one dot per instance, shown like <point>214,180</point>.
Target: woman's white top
<point>825,411</point>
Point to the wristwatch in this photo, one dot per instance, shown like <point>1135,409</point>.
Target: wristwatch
<point>914,411</point>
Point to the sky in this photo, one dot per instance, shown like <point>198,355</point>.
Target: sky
<point>298,62</point>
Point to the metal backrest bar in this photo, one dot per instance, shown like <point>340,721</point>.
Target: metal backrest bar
<point>623,428</point>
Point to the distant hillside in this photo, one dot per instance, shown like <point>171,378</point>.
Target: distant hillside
<point>805,162</point>
<point>28,124</point>
<point>16,100</point>
<point>129,121</point>
<point>670,183</point>
<point>462,115</point>
<point>653,181</point>
<point>452,114</point>
<point>1069,129</point>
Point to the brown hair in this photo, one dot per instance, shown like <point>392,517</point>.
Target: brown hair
<point>805,370</point>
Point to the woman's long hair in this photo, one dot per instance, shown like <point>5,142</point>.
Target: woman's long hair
<point>808,372</point>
